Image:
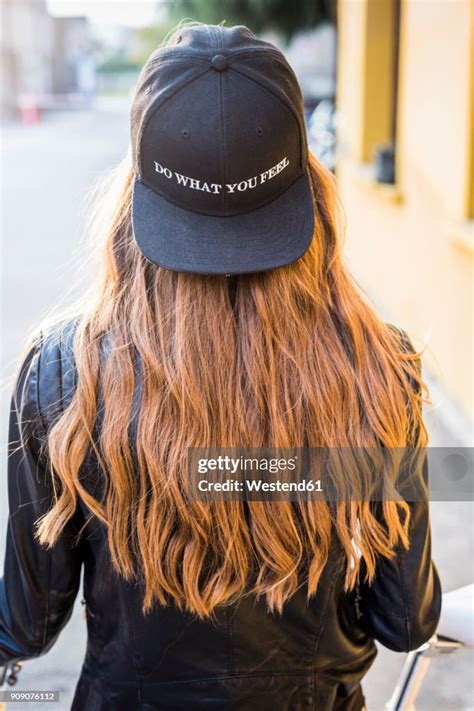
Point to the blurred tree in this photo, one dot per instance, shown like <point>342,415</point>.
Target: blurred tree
<point>147,39</point>
<point>287,17</point>
<point>117,64</point>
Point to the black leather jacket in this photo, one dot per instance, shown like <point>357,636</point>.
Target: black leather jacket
<point>313,656</point>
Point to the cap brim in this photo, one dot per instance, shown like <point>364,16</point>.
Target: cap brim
<point>271,236</point>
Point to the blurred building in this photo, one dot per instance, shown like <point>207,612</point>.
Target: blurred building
<point>312,54</point>
<point>26,51</point>
<point>42,56</point>
<point>405,100</point>
<point>73,68</point>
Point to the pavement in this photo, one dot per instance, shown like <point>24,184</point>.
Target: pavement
<point>47,172</point>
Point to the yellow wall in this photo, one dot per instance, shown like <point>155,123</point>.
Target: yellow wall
<point>411,245</point>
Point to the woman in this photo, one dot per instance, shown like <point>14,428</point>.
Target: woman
<point>223,317</point>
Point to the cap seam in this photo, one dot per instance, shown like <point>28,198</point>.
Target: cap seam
<point>221,144</point>
<point>286,104</point>
<point>277,55</point>
<point>153,108</point>
<point>258,52</point>
<point>223,131</point>
<point>223,134</point>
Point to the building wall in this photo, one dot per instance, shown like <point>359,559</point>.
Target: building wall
<point>25,52</point>
<point>41,55</point>
<point>411,244</point>
<point>71,45</point>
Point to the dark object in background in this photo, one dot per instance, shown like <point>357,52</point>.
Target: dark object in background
<point>9,674</point>
<point>322,139</point>
<point>385,165</point>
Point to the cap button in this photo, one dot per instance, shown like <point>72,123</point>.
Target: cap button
<point>219,62</point>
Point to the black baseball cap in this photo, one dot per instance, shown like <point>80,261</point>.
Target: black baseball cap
<point>220,155</point>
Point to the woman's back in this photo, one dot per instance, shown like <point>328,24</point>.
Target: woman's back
<point>312,655</point>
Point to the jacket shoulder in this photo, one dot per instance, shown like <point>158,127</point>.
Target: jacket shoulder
<point>56,372</point>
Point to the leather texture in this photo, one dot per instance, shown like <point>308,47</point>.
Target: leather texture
<point>313,656</point>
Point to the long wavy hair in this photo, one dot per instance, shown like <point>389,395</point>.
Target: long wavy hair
<point>296,358</point>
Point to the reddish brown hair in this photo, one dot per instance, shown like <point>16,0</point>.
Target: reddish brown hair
<point>299,359</point>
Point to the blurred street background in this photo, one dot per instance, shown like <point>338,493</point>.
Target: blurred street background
<point>389,97</point>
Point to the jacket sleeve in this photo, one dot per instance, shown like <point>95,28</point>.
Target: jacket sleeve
<point>402,606</point>
<point>39,585</point>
